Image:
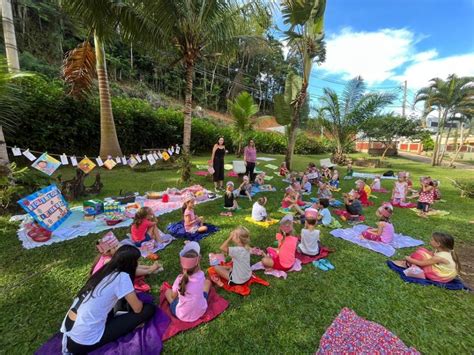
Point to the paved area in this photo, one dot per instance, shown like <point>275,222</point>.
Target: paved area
<point>423,159</point>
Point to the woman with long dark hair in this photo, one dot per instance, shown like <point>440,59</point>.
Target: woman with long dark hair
<point>217,158</point>
<point>250,159</point>
<point>90,322</point>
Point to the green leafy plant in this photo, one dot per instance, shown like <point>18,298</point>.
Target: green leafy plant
<point>9,187</point>
<point>242,109</point>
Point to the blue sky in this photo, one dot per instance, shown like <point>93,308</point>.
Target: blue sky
<point>389,41</point>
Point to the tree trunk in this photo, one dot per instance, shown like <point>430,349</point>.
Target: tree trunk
<point>109,144</point>
<point>3,150</point>
<point>10,38</point>
<point>434,159</point>
<point>445,147</point>
<point>463,140</point>
<point>294,124</point>
<point>385,151</point>
<point>188,106</point>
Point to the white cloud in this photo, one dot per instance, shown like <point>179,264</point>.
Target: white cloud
<point>389,54</point>
<point>373,55</point>
<point>419,73</point>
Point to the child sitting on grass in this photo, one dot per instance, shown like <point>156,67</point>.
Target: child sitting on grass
<point>284,256</point>
<point>245,188</point>
<point>190,291</point>
<point>385,231</point>
<point>376,184</point>
<point>353,208</point>
<point>324,191</point>
<point>324,215</point>
<point>306,184</point>
<point>192,223</point>
<point>363,195</point>
<point>309,244</point>
<point>230,202</point>
<point>144,227</point>
<point>441,266</point>
<point>260,179</point>
<point>400,190</point>
<point>284,170</point>
<point>259,213</point>
<point>107,246</point>
<point>240,272</point>
<point>291,202</point>
<point>334,182</point>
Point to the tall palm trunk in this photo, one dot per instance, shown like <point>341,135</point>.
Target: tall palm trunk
<point>3,150</point>
<point>10,38</point>
<point>463,140</point>
<point>445,147</point>
<point>188,102</point>
<point>295,122</point>
<point>434,159</point>
<point>109,144</point>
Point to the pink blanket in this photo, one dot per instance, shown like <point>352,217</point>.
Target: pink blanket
<point>278,273</point>
<point>351,334</point>
<point>306,259</point>
<point>216,305</point>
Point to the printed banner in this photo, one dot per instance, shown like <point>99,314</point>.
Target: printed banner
<point>46,164</point>
<point>47,207</point>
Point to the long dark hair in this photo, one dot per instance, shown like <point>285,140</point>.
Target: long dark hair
<point>125,260</point>
<point>187,272</point>
<point>447,242</point>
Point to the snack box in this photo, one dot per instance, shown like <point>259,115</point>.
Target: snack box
<point>93,207</point>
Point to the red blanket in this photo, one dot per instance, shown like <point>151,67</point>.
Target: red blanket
<point>306,259</point>
<point>216,306</point>
<point>243,290</point>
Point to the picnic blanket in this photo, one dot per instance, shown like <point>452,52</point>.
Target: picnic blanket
<point>144,340</point>
<point>433,212</point>
<point>232,174</point>
<point>256,189</point>
<point>333,203</point>
<point>264,224</point>
<point>381,190</point>
<point>165,238</point>
<point>271,166</point>
<point>351,334</point>
<point>177,230</point>
<point>334,224</point>
<point>216,306</point>
<point>75,225</point>
<point>228,166</point>
<point>306,259</point>
<point>243,290</point>
<point>277,273</point>
<point>268,178</point>
<point>356,175</point>
<point>455,284</point>
<point>201,173</point>
<point>353,235</point>
<point>404,204</point>
<point>265,159</point>
<point>202,166</point>
<point>345,215</point>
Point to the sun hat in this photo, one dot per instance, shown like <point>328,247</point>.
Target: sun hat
<point>107,242</point>
<point>311,213</point>
<point>189,263</point>
<point>188,197</point>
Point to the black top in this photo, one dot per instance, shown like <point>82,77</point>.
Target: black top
<point>219,154</point>
<point>355,208</point>
<point>228,200</point>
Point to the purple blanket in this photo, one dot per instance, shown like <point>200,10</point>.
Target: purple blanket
<point>144,341</point>
<point>352,235</point>
<point>177,230</point>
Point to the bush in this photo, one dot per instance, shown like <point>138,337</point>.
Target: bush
<point>428,142</point>
<point>51,121</point>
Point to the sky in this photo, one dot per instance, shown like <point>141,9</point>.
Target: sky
<point>389,41</point>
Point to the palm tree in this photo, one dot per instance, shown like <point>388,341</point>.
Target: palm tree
<point>450,97</point>
<point>242,109</point>
<point>344,116</point>
<point>305,39</point>
<point>9,35</point>
<point>82,64</point>
<point>464,120</point>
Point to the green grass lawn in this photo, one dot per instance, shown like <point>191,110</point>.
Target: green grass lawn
<point>290,316</point>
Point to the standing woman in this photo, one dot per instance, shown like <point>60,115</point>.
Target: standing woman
<point>250,158</point>
<point>218,153</point>
<point>90,322</point>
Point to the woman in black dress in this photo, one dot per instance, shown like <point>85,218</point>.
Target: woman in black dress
<point>218,153</point>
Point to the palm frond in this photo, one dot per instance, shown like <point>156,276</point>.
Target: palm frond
<point>79,69</point>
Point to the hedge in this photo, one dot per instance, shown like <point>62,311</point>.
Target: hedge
<point>51,121</point>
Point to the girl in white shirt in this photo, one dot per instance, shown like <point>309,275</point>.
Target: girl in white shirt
<point>259,213</point>
<point>90,322</point>
<point>309,244</point>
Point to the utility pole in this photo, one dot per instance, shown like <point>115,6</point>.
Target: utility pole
<point>404,98</point>
<point>10,38</point>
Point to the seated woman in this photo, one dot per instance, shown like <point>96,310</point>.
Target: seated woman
<point>90,322</point>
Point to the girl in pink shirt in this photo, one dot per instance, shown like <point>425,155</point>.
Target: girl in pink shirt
<point>284,256</point>
<point>400,190</point>
<point>192,223</point>
<point>144,227</point>
<point>385,231</point>
<point>291,202</point>
<point>189,294</point>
